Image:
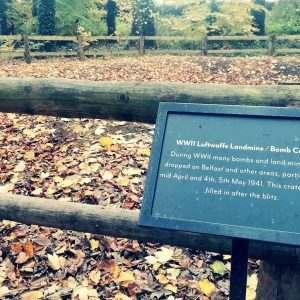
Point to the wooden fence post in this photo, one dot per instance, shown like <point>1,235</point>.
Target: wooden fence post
<point>26,49</point>
<point>278,281</point>
<point>205,45</point>
<point>272,40</point>
<point>80,47</point>
<point>142,45</point>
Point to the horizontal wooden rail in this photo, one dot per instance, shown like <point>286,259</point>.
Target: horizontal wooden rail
<point>131,101</point>
<point>123,223</point>
<point>10,37</point>
<point>111,38</point>
<point>202,40</point>
<point>238,38</point>
<point>156,38</point>
<point>52,38</point>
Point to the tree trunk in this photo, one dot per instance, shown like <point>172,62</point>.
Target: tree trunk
<point>129,101</point>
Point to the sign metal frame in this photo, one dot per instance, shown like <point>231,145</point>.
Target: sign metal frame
<point>240,232</point>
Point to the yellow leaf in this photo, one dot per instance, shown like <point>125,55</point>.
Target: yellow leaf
<point>147,152</point>
<point>50,191</point>
<point>64,149</point>
<point>218,267</point>
<point>7,188</point>
<point>105,141</point>
<point>124,181</point>
<point>34,295</point>
<point>107,175</point>
<point>58,179</point>
<point>117,272</point>
<point>206,287</point>
<point>94,244</point>
<point>125,278</point>
<point>252,281</point>
<point>173,273</point>
<point>4,290</point>
<point>78,129</point>
<point>94,167</point>
<point>226,257</point>
<point>21,258</point>
<point>250,294</point>
<point>121,296</point>
<point>162,278</point>
<point>20,167</point>
<point>95,276</point>
<point>53,262</point>
<point>45,175</point>
<point>29,133</point>
<point>171,288</point>
<point>41,119</point>
<point>164,254</point>
<point>29,155</point>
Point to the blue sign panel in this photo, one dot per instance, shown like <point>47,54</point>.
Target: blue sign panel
<point>225,170</point>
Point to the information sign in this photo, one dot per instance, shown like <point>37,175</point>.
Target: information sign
<point>225,170</point>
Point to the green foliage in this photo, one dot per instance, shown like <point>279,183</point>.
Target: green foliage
<point>46,17</point>
<point>19,17</point>
<point>284,17</point>
<point>72,13</point>
<point>232,17</point>
<point>3,18</point>
<point>143,18</point>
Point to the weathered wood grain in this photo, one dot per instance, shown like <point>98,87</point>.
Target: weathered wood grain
<point>129,101</point>
<point>123,223</point>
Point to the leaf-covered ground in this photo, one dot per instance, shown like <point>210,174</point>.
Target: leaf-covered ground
<point>237,70</point>
<point>105,163</point>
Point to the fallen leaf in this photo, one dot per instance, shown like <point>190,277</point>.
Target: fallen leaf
<point>124,181</point>
<point>16,248</point>
<point>21,258</point>
<point>29,133</point>
<point>78,129</point>
<point>94,244</point>
<point>115,148</point>
<point>83,293</point>
<point>107,175</point>
<point>106,141</point>
<point>28,249</point>
<point>173,273</point>
<point>29,155</point>
<point>4,290</point>
<point>125,278</point>
<point>162,278</point>
<point>20,167</point>
<point>164,254</point>
<point>37,192</point>
<point>206,287</point>
<point>121,296</point>
<point>53,262</point>
<point>218,267</point>
<point>95,276</point>
<point>33,295</point>
<point>171,288</point>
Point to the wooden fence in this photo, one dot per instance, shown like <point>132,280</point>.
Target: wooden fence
<point>203,41</point>
<point>139,102</point>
